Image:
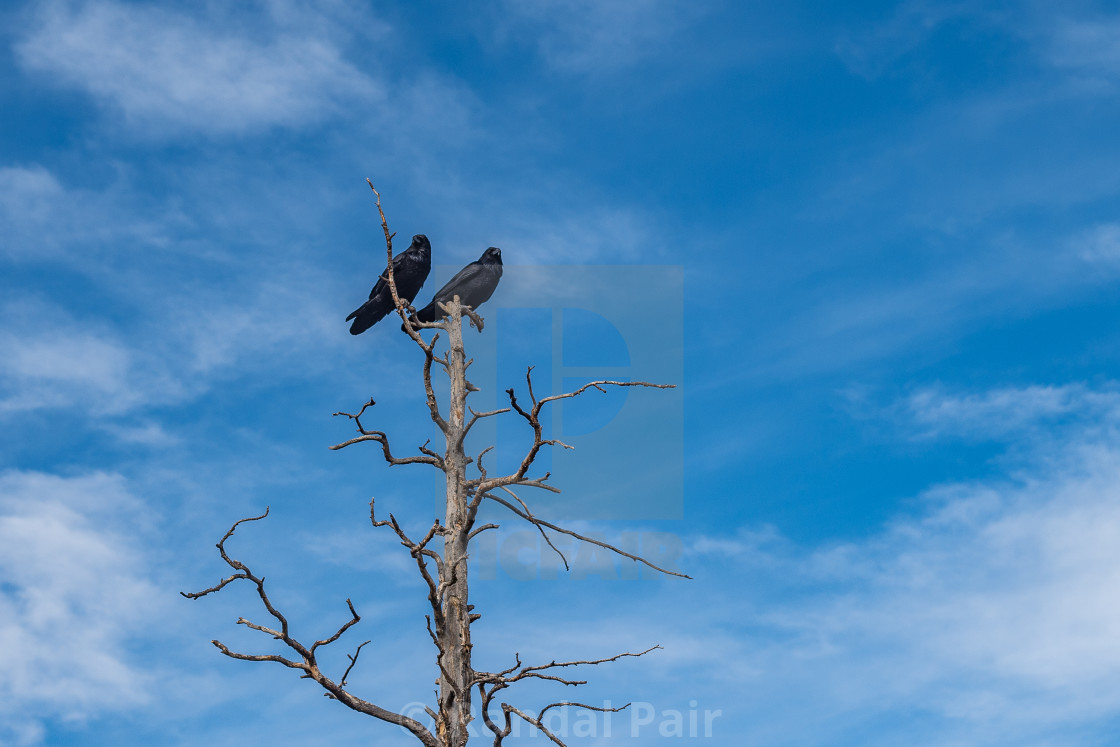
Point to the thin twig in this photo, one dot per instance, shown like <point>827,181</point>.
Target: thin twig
<point>353,660</point>
<point>532,416</point>
<point>306,662</point>
<point>541,522</point>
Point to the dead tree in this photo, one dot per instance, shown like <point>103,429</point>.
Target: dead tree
<point>445,574</point>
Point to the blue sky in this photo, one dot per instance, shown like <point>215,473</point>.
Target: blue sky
<point>893,451</point>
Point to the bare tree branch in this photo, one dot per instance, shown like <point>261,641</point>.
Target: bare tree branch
<point>538,720</point>
<point>425,450</point>
<point>327,641</point>
<point>353,660</point>
<point>429,456</point>
<point>419,552</point>
<point>563,704</point>
<point>532,416</point>
<point>532,519</point>
<point>507,708</point>
<point>409,322</point>
<point>433,404</point>
<point>236,565</point>
<point>483,528</point>
<point>476,416</point>
<point>534,671</point>
<point>502,680</point>
<point>307,662</point>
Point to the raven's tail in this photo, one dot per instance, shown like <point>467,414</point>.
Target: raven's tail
<point>364,318</point>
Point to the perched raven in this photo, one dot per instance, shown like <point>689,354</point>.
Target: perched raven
<point>410,270</point>
<point>474,284</point>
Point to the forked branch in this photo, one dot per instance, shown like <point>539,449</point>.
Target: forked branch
<point>428,456</point>
<point>305,657</point>
<point>490,684</point>
<point>421,553</point>
<point>532,416</point>
<point>409,323</point>
<point>541,524</point>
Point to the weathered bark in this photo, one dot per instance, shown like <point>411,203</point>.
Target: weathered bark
<point>454,640</point>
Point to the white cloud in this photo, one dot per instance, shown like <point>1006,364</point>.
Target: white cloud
<point>43,219</point>
<point>589,37</point>
<point>366,549</point>
<point>52,359</point>
<point>74,593</point>
<point>27,194</point>
<point>969,136</point>
<point>277,316</point>
<point>165,70</point>
<point>1100,245</point>
<point>180,336</point>
<point>60,367</point>
<point>1007,412</point>
<point>870,51</point>
<point>1059,35</point>
<point>30,219</point>
<point>602,235</point>
<point>145,434</point>
<point>996,595</point>
<point>854,317</point>
<point>1084,45</point>
<point>991,609</point>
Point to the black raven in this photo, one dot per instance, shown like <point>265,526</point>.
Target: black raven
<point>410,270</point>
<point>474,284</point>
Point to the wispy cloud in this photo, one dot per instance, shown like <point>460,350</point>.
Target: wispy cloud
<point>148,433</point>
<point>1085,46</point>
<point>871,50</point>
<point>601,235</point>
<point>986,609</point>
<point>60,366</point>
<point>73,595</point>
<point>43,219</point>
<point>27,199</point>
<point>362,549</point>
<point>170,72</point>
<point>990,599</point>
<point>1099,245</point>
<point>53,358</point>
<point>966,142</point>
<point>959,279</point>
<point>1012,412</point>
<point>589,37</point>
<point>1062,37</point>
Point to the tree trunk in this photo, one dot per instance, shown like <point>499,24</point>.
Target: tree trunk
<point>455,636</point>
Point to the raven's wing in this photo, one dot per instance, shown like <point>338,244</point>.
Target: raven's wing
<point>453,287</point>
<point>464,285</point>
<point>382,283</point>
<point>464,279</point>
<point>412,273</point>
